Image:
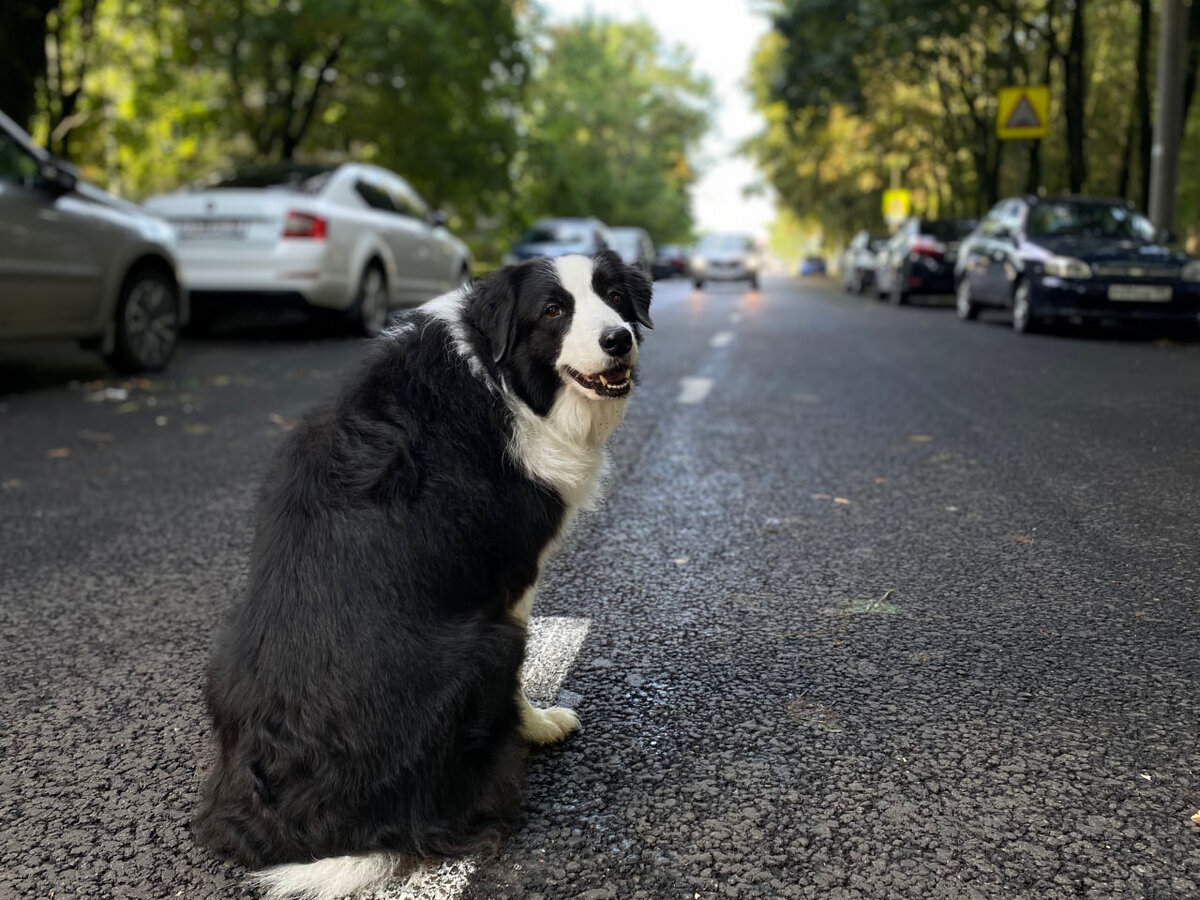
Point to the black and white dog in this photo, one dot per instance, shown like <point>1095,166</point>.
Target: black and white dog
<point>365,696</point>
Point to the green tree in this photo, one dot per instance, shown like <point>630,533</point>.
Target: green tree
<point>612,120</point>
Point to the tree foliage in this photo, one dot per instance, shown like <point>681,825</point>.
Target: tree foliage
<point>854,91</point>
<point>491,113</point>
<point>611,121</point>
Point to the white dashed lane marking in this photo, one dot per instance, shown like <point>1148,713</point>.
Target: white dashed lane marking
<point>694,390</point>
<point>554,642</point>
<point>721,339</point>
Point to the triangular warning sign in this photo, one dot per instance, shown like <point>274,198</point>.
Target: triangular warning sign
<point>1023,115</point>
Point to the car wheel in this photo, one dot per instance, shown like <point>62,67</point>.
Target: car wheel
<point>369,312</point>
<point>147,322</point>
<point>963,304</point>
<point>699,283</point>
<point>1023,319</point>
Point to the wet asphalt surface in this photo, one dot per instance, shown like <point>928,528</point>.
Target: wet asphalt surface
<point>901,607</point>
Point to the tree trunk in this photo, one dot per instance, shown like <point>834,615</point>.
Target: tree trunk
<point>1076,98</point>
<point>22,56</point>
<point>1142,101</point>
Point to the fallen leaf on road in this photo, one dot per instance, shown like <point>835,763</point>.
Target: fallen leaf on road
<point>11,485</point>
<point>283,421</point>
<point>131,406</point>
<point>1196,817</point>
<point>196,428</point>
<point>1021,539</point>
<point>841,500</point>
<point>680,560</point>
<point>881,481</point>
<point>822,496</point>
<point>58,453</point>
<point>920,438</point>
<point>116,395</point>
<point>100,437</point>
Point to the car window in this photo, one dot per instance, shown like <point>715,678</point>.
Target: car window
<point>15,162</point>
<point>374,195</point>
<point>300,179</point>
<point>406,200</point>
<point>627,243</point>
<point>1080,219</point>
<point>557,233</point>
<point>726,243</point>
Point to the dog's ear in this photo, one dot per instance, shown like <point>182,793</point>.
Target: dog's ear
<point>640,290</point>
<point>493,310</point>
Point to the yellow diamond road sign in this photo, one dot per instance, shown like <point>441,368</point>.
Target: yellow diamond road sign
<point>1023,113</point>
<point>897,204</point>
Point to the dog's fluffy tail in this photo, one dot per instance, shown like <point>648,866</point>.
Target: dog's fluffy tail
<point>330,878</point>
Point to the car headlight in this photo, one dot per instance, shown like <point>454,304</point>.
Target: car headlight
<point>1066,267</point>
<point>1191,272</point>
<point>752,263</point>
<point>699,262</point>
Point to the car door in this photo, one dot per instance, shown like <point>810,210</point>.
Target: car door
<point>51,268</point>
<point>979,252</point>
<point>431,253</point>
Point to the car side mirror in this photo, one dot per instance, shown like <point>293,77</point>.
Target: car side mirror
<point>1166,236</point>
<point>438,218</point>
<point>56,179</point>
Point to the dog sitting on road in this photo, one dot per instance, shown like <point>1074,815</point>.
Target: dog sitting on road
<point>365,696</point>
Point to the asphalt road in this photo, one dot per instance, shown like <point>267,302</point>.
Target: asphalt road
<point>880,605</point>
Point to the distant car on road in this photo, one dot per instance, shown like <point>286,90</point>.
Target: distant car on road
<point>726,256</point>
<point>671,260</point>
<point>812,265</point>
<point>352,239</point>
<point>78,263</point>
<point>858,262</point>
<point>635,247</point>
<point>558,237</point>
<point>920,258</point>
<point>1052,259</point>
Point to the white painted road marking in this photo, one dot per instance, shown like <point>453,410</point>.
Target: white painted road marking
<point>721,339</point>
<point>554,642</point>
<point>694,390</point>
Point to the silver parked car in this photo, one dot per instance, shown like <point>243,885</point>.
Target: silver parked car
<point>353,239</point>
<point>78,263</point>
<point>731,256</point>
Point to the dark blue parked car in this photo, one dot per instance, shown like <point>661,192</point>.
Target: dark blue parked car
<point>558,237</point>
<point>1074,259</point>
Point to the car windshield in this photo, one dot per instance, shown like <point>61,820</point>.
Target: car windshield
<point>625,242</point>
<point>1110,220</point>
<point>725,243</point>
<point>948,229</point>
<point>299,179</point>
<point>556,233</point>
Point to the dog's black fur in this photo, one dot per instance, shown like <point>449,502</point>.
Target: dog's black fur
<point>363,696</point>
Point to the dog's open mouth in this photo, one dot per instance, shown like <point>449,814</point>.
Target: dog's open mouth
<point>612,383</point>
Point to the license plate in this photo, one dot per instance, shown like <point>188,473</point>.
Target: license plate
<point>1148,293</point>
<point>210,229</point>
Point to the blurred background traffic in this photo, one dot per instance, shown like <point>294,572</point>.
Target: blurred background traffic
<point>164,164</point>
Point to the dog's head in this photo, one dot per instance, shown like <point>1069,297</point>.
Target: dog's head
<point>568,323</point>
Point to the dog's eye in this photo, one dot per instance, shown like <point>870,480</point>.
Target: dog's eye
<point>614,296</point>
<point>552,311</point>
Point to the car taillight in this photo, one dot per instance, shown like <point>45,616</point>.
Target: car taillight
<point>923,247</point>
<point>302,225</point>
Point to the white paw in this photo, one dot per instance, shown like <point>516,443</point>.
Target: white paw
<point>546,726</point>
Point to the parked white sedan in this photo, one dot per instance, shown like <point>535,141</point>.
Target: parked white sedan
<point>354,238</point>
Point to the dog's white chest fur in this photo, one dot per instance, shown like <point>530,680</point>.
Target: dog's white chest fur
<point>566,449</point>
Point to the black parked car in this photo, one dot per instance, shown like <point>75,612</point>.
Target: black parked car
<point>671,260</point>
<point>1075,259</point>
<point>558,237</point>
<point>920,258</point>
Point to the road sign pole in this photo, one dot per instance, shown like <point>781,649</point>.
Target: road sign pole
<point>1168,117</point>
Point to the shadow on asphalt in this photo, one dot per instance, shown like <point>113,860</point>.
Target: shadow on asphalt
<point>25,368</point>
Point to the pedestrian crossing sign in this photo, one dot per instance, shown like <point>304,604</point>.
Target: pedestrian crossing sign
<point>1023,113</point>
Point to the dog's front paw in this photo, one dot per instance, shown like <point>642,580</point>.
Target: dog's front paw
<point>547,726</point>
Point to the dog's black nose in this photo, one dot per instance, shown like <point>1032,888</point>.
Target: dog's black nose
<point>616,341</point>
